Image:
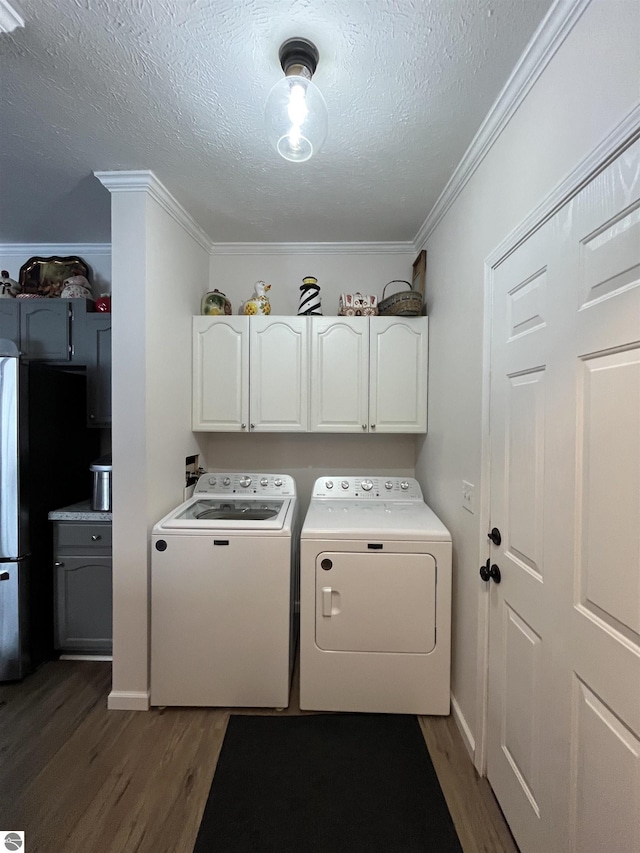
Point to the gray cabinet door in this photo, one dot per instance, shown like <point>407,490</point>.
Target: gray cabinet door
<point>10,320</point>
<point>83,604</point>
<point>45,329</point>
<point>92,336</point>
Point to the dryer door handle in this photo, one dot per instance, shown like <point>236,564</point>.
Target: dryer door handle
<point>326,600</point>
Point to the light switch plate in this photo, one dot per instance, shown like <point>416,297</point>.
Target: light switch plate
<point>468,496</point>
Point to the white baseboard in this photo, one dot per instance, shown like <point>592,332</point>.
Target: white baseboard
<point>465,731</point>
<point>128,700</point>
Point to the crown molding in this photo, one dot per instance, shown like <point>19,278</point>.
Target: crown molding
<point>48,249</point>
<point>392,248</point>
<point>547,39</point>
<point>145,181</point>
<point>10,17</point>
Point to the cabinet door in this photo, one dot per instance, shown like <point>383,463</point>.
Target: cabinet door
<point>220,374</point>
<point>278,374</point>
<point>92,346</point>
<point>45,329</point>
<point>339,375</point>
<point>398,377</point>
<point>10,320</point>
<point>83,604</point>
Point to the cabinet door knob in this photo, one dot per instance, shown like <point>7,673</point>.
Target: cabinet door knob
<point>92,417</point>
<point>96,537</point>
<point>373,426</point>
<point>364,426</point>
<point>253,426</point>
<point>58,565</point>
<point>243,426</point>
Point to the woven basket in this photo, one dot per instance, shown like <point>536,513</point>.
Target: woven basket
<point>406,303</point>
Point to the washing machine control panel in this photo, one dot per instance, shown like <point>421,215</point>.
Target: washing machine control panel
<point>245,484</point>
<point>369,488</point>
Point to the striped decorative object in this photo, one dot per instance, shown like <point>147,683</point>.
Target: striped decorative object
<point>310,302</point>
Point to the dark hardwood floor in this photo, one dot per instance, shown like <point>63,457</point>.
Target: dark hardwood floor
<point>81,779</point>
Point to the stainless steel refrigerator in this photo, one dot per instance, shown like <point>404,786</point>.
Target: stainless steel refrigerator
<point>45,453</point>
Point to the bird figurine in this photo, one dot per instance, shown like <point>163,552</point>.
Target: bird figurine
<point>8,286</point>
<point>259,302</point>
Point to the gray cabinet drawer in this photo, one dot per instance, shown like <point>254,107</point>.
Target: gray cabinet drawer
<point>83,538</point>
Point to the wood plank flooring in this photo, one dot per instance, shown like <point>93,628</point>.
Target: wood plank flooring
<point>79,778</point>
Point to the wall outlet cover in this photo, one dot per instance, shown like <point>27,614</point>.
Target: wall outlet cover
<point>468,496</point>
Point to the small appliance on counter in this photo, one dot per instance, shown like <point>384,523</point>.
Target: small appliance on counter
<point>101,484</point>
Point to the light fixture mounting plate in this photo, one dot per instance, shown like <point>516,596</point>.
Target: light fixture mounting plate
<point>299,51</point>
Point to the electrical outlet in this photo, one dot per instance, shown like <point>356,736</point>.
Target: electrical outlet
<point>468,496</point>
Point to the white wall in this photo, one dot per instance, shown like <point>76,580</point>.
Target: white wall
<point>306,457</point>
<point>159,273</point>
<point>590,85</point>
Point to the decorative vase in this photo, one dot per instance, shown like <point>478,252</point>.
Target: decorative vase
<point>310,302</point>
<point>259,302</point>
<point>215,303</point>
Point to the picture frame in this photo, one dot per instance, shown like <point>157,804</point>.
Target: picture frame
<point>419,277</point>
<point>45,276</point>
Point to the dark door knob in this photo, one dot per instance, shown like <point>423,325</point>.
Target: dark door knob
<point>495,536</point>
<point>490,572</point>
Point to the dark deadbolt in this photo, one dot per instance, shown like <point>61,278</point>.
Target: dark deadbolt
<point>495,536</point>
<point>490,572</point>
<point>326,565</point>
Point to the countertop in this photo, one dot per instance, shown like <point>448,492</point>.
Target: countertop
<point>78,512</point>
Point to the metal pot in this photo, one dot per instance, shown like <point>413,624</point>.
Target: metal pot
<point>101,484</point>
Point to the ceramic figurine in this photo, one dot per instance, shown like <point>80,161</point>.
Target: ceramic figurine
<point>310,302</point>
<point>259,302</point>
<point>8,287</point>
<point>76,287</point>
<point>103,303</point>
<point>215,303</point>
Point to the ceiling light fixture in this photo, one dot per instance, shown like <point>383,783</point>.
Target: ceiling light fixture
<point>295,112</point>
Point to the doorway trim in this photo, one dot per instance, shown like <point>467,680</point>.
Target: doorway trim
<point>612,146</point>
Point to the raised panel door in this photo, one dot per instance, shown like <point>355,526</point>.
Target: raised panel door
<point>45,329</point>
<point>339,374</point>
<point>398,374</point>
<point>278,374</point>
<point>220,395</point>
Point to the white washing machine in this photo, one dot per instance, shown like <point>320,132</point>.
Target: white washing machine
<point>224,579</point>
<point>375,599</point>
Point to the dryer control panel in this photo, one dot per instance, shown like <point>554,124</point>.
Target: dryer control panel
<point>214,483</point>
<point>367,488</point>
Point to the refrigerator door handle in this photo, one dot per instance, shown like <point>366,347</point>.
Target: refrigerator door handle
<point>15,559</point>
<point>5,576</point>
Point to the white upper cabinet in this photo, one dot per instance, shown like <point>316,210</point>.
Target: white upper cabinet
<point>339,379</point>
<point>317,374</point>
<point>220,373</point>
<point>369,374</point>
<point>279,366</point>
<point>398,358</point>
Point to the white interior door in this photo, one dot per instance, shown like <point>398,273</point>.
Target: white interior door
<point>564,673</point>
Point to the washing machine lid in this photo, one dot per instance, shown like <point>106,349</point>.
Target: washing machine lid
<point>201,514</point>
<point>373,520</point>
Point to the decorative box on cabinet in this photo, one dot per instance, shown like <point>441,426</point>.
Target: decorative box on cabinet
<point>82,584</point>
<point>250,374</point>
<point>370,374</point>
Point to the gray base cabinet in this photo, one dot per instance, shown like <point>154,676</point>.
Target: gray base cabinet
<point>83,587</point>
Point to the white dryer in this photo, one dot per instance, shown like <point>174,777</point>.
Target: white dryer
<point>224,579</point>
<point>375,599</point>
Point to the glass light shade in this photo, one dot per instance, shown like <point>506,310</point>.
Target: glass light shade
<point>296,118</point>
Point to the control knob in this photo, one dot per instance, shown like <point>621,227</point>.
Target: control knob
<point>388,485</point>
<point>278,481</point>
<point>264,481</point>
<point>367,485</point>
<point>245,481</point>
<point>211,481</point>
<point>328,484</point>
<point>226,481</point>
<point>404,485</point>
<point>345,484</point>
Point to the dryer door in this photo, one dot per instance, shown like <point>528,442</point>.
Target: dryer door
<point>376,602</point>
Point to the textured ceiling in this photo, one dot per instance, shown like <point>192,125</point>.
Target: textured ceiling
<point>178,87</point>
